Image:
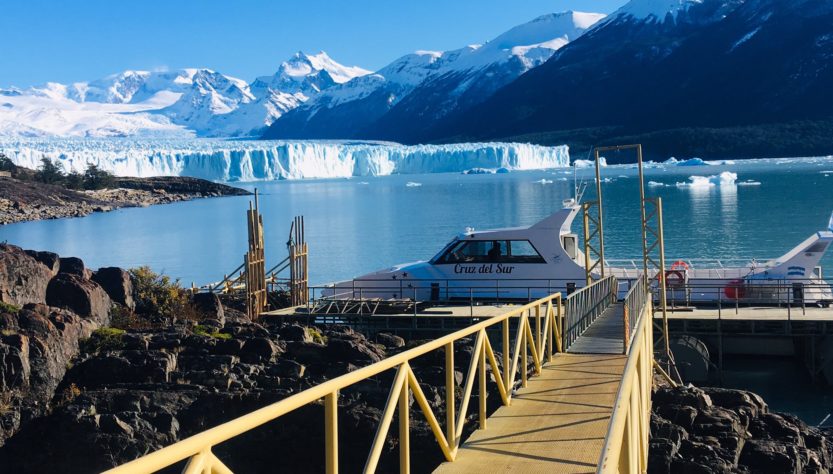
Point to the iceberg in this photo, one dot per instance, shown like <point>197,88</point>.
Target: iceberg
<point>253,160</point>
<point>726,178</point>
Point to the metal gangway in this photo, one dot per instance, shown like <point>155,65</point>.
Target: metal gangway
<point>573,374</point>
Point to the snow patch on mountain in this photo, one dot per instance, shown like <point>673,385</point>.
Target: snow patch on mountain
<point>236,160</point>
<point>655,10</point>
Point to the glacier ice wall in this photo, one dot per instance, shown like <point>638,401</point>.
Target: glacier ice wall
<point>241,160</point>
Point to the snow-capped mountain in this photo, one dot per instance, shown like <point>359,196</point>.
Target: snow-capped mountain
<point>301,77</point>
<point>716,77</point>
<point>425,86</point>
<point>168,103</point>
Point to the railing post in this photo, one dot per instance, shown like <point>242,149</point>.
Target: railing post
<point>481,375</point>
<point>331,432</point>
<point>506,349</point>
<point>450,385</point>
<point>524,342</point>
<point>404,428</point>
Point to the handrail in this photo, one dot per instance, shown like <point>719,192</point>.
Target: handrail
<point>634,303</point>
<point>585,305</point>
<point>626,443</point>
<point>544,337</point>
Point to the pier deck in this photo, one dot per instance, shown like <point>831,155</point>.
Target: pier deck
<point>557,424</point>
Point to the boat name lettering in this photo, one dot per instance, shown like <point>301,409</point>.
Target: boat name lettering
<point>485,268</point>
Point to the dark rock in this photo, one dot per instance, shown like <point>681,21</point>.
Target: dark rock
<point>83,297</point>
<point>390,341</point>
<point>22,278</point>
<point>294,332</point>
<point>210,308</point>
<point>112,424</point>
<point>74,266</point>
<point>686,396</point>
<point>678,414</point>
<point>259,349</point>
<point>49,259</point>
<point>766,456</point>
<point>777,427</point>
<point>287,368</point>
<point>308,353</point>
<point>118,285</point>
<point>357,349</point>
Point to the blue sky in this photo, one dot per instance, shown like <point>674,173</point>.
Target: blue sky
<point>66,41</point>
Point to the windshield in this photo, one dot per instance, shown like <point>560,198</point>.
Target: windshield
<point>490,251</point>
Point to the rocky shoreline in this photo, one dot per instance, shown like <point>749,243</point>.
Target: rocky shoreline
<point>93,374</point>
<point>717,430</point>
<point>26,200</point>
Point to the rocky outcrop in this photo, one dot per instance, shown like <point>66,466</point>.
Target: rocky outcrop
<point>118,285</point>
<point>715,430</point>
<point>46,315</point>
<point>81,296</point>
<point>23,279</point>
<point>152,388</point>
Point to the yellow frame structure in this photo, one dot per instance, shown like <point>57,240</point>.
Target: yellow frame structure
<point>626,444</point>
<point>539,340</point>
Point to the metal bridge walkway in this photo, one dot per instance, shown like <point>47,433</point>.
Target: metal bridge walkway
<point>559,421</point>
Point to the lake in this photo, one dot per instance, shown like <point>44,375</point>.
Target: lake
<point>358,225</point>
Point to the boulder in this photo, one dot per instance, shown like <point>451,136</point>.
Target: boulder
<point>84,297</point>
<point>118,285</point>
<point>764,456</point>
<point>258,349</point>
<point>210,307</point>
<point>294,332</point>
<point>389,340</point>
<point>50,260</point>
<point>22,278</point>
<point>74,266</point>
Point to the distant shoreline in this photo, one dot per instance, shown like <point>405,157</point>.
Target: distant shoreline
<point>25,200</point>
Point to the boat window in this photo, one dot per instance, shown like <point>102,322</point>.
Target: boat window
<point>521,251</point>
<point>491,251</point>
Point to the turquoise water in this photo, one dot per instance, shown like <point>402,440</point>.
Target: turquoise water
<point>358,225</point>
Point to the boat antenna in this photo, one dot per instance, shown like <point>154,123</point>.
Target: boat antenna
<point>579,186</point>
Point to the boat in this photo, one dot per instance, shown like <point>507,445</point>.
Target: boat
<point>525,263</point>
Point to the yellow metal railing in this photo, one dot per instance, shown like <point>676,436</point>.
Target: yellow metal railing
<point>626,443</point>
<point>539,331</point>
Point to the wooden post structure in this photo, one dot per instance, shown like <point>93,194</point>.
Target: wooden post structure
<point>298,266</point>
<point>255,263</point>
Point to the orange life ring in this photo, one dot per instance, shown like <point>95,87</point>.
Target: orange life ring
<point>680,265</point>
<point>675,278</point>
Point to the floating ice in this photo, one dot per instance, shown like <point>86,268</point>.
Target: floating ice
<point>691,162</point>
<point>749,182</point>
<point>412,184</point>
<point>656,184</point>
<point>241,160</point>
<point>726,178</point>
<point>480,171</point>
<point>589,163</point>
<point>544,181</point>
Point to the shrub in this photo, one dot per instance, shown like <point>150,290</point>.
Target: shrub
<point>6,164</point>
<point>69,394</point>
<point>206,331</point>
<point>124,318</point>
<point>159,295</point>
<point>97,178</point>
<point>317,336</point>
<point>49,172</point>
<point>8,308</point>
<point>74,180</point>
<point>104,339</point>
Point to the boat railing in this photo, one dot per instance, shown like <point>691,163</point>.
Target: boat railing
<point>635,301</point>
<point>713,268</point>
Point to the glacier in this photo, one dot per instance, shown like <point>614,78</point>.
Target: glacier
<point>254,160</point>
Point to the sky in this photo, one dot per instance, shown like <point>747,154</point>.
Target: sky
<point>68,41</point>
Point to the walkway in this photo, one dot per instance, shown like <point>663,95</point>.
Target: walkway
<point>559,421</point>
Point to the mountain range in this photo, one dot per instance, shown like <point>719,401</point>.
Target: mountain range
<point>184,102</point>
<point>708,78</point>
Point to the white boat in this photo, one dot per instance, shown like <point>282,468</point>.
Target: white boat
<point>531,262</point>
